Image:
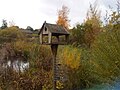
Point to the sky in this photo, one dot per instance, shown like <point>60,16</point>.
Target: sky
<point>34,12</point>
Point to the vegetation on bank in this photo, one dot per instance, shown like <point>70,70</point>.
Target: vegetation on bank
<point>15,46</point>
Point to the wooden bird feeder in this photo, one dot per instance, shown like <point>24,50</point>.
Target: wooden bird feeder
<point>53,34</point>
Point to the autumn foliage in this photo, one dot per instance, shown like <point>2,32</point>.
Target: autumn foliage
<point>63,17</point>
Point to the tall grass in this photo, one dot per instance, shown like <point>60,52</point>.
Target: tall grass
<point>106,57</point>
<point>14,45</point>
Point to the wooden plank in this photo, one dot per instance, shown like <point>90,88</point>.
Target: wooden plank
<point>49,37</point>
<point>41,38</point>
<point>66,38</point>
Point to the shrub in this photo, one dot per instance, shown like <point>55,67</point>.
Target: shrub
<point>70,62</point>
<point>10,34</point>
<point>106,57</point>
<point>39,73</point>
<point>70,56</point>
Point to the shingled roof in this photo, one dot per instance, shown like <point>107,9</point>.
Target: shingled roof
<point>54,28</point>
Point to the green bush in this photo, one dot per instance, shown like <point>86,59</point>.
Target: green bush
<point>105,61</point>
<point>10,34</point>
<point>98,65</point>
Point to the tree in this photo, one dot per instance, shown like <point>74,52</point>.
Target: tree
<point>11,23</point>
<point>112,21</point>
<point>84,34</point>
<point>29,28</point>
<point>92,24</point>
<point>4,24</point>
<point>63,17</point>
<point>78,35</point>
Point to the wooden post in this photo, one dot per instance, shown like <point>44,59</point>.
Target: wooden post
<point>58,38</point>
<point>49,37</point>
<point>66,38</point>
<point>41,38</point>
<point>54,48</point>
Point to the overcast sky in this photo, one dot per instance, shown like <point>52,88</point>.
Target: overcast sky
<point>34,12</point>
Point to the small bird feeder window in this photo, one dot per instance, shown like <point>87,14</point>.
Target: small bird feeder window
<point>45,29</point>
<point>53,34</point>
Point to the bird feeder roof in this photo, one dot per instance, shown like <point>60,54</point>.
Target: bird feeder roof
<point>54,28</point>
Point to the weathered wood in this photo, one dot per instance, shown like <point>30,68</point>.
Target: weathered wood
<point>45,30</point>
<point>66,38</point>
<point>52,30</point>
<point>41,38</point>
<point>50,37</point>
<point>58,38</point>
<point>54,48</point>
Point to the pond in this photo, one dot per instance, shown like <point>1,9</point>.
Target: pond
<point>18,64</point>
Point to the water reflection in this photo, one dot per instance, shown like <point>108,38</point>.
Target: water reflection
<point>17,64</point>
